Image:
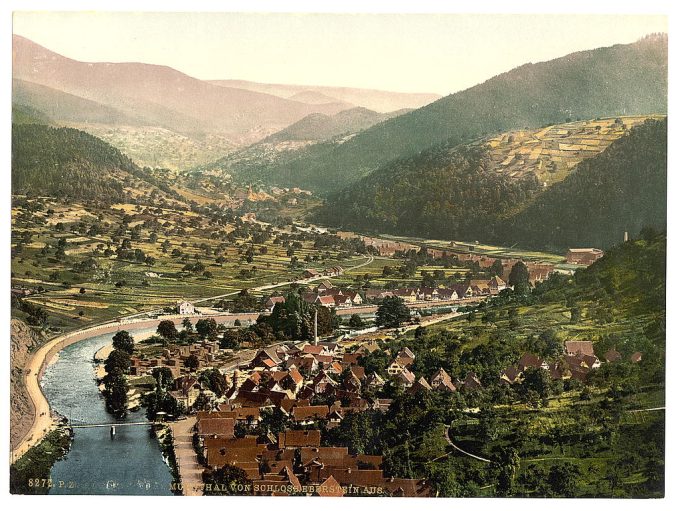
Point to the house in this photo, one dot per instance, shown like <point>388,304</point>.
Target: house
<point>579,347</point>
<point>184,307</point>
<point>510,375</point>
<point>429,293</point>
<point>636,357</point>
<point>186,390</point>
<point>342,301</point>
<point>442,381</point>
<point>420,385</point>
<point>531,360</point>
<point>408,295</point>
<point>334,271</point>
<point>324,286</point>
<point>463,290</point>
<point>217,427</point>
<point>406,378</point>
<point>330,488</point>
<point>496,285</point>
<point>585,256</point>
<point>325,301</point>
<point>265,358</point>
<point>405,357</point>
<point>612,355</point>
<point>355,297</point>
<point>272,301</point>
<point>471,382</point>
<point>480,287</point>
<point>395,368</point>
<point>295,439</point>
<point>310,274</point>
<point>305,415</point>
<point>447,294</point>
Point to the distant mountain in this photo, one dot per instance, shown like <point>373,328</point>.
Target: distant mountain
<point>72,164</point>
<point>619,80</point>
<point>68,108</point>
<point>314,98</point>
<point>378,100</point>
<point>315,134</point>
<point>570,184</point>
<point>318,127</point>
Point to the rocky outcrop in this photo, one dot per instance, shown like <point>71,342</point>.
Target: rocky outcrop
<point>23,341</point>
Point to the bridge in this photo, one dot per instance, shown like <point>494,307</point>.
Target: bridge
<point>110,424</point>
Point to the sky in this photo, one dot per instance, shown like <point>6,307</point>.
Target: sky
<point>440,53</point>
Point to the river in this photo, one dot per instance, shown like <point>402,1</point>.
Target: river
<point>129,463</point>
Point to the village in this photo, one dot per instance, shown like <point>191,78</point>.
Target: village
<point>270,413</point>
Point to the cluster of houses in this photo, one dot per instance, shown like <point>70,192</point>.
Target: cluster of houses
<point>325,294</point>
<point>578,360</point>
<point>175,358</point>
<point>474,288</point>
<point>299,382</point>
<point>295,463</point>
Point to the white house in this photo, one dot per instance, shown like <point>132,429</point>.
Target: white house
<point>185,307</point>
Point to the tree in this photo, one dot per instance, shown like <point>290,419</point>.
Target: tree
<point>206,327</point>
<point>536,380</point>
<point>167,329</point>
<point>355,321</point>
<point>231,340</point>
<point>117,359</point>
<point>123,341</point>
<point>497,268</point>
<point>192,363</point>
<point>504,464</point>
<point>187,325</point>
<point>228,480</point>
<point>563,480</point>
<point>519,278</point>
<point>214,380</point>
<point>163,376</point>
<point>392,312</point>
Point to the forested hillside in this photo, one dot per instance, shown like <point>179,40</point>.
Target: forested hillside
<point>67,163</point>
<point>622,79</point>
<point>461,193</point>
<point>443,192</point>
<point>621,189</point>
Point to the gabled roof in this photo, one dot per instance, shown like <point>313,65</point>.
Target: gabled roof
<point>325,300</point>
<point>612,355</point>
<point>301,413</point>
<point>583,347</point>
<point>529,360</point>
<point>330,488</point>
<point>312,350</point>
<point>297,438</point>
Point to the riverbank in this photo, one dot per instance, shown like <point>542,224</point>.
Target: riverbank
<point>30,475</point>
<point>35,367</point>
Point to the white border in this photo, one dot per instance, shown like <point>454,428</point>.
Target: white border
<point>366,6</point>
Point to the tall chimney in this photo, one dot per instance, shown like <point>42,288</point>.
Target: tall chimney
<point>316,319</point>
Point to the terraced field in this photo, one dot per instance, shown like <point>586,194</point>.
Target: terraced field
<point>552,152</point>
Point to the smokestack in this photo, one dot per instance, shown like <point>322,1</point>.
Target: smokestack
<point>316,319</point>
<point>625,236</point>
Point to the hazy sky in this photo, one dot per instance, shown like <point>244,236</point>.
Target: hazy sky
<point>440,53</point>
